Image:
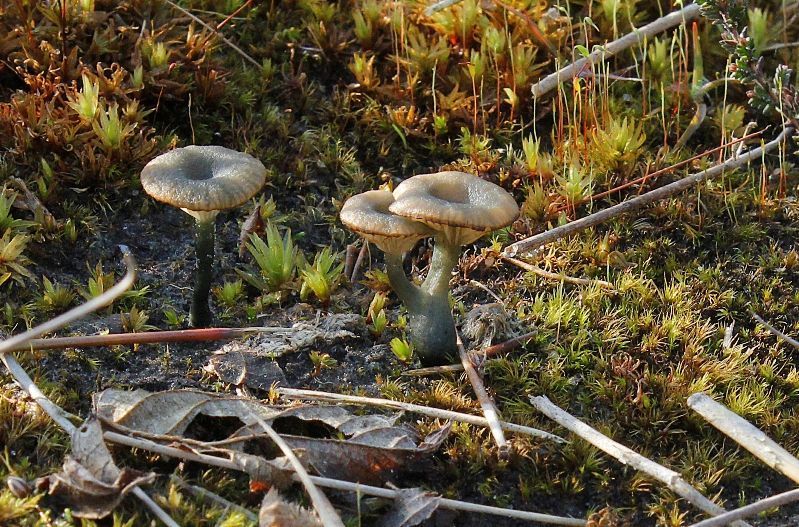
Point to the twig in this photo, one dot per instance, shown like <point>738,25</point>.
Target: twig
<point>327,514</point>
<point>490,410</point>
<point>433,370</point>
<point>649,177</point>
<point>359,261</point>
<point>745,434</point>
<point>310,395</point>
<point>203,493</point>
<point>209,27</point>
<point>751,509</point>
<point>672,479</point>
<point>55,412</point>
<point>149,337</point>
<point>665,191</point>
<point>438,6</point>
<point>553,80</point>
<point>775,331</point>
<point>456,505</point>
<point>556,276</point>
<point>491,351</point>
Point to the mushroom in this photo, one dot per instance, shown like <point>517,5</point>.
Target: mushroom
<point>454,207</point>
<point>202,180</point>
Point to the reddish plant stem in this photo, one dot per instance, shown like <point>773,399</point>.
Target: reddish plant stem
<point>151,337</point>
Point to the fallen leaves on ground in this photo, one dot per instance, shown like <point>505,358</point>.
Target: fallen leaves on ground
<point>90,482</point>
<point>333,441</point>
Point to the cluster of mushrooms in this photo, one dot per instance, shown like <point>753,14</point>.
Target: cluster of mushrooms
<point>455,208</point>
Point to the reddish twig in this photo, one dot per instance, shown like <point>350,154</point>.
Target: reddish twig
<point>150,337</point>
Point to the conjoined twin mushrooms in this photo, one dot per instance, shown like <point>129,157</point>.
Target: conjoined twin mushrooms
<point>453,207</point>
<point>202,180</point>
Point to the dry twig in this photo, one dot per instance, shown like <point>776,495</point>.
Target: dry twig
<point>455,505</point>
<point>775,331</point>
<point>327,514</point>
<point>555,276</point>
<point>490,410</point>
<point>665,191</point>
<point>751,509</point>
<point>437,413</point>
<point>672,479</point>
<point>745,434</point>
<point>637,36</point>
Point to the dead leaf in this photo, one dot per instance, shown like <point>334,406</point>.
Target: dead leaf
<point>336,443</point>
<point>411,507</point>
<point>277,512</point>
<point>238,364</point>
<point>90,481</point>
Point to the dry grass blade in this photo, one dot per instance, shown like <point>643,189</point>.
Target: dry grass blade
<point>555,276</point>
<point>324,508</point>
<point>538,240</point>
<point>55,412</point>
<point>745,434</point>
<point>672,479</point>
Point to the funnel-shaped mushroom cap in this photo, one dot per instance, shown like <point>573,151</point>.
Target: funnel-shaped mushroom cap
<point>367,214</point>
<point>203,179</point>
<point>459,206</point>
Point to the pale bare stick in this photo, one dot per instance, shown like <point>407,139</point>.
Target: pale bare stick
<point>188,454</point>
<point>745,434</point>
<point>55,412</point>
<point>490,410</point>
<point>203,493</point>
<point>555,276</point>
<point>672,479</point>
<point>636,37</point>
<point>775,331</point>
<point>534,242</point>
<point>437,413</point>
<point>751,509</point>
<point>327,513</point>
<point>434,370</point>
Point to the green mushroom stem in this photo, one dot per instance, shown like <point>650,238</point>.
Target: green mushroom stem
<point>431,325</point>
<point>200,314</point>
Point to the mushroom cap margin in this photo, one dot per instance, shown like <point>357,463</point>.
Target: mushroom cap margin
<point>368,215</point>
<point>462,207</point>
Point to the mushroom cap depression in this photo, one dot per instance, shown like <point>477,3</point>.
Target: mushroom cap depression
<point>368,214</point>
<point>203,179</point>
<point>459,206</point>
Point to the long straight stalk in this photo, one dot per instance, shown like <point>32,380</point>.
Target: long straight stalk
<point>200,314</point>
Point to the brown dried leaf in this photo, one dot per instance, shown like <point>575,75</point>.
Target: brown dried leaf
<point>236,363</point>
<point>411,507</point>
<point>373,451</point>
<point>90,481</point>
<point>277,512</point>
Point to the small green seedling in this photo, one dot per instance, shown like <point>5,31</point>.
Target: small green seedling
<point>402,349</point>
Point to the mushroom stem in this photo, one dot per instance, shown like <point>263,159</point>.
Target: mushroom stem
<point>406,291</point>
<point>445,258</point>
<point>431,326</point>
<point>200,314</point>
